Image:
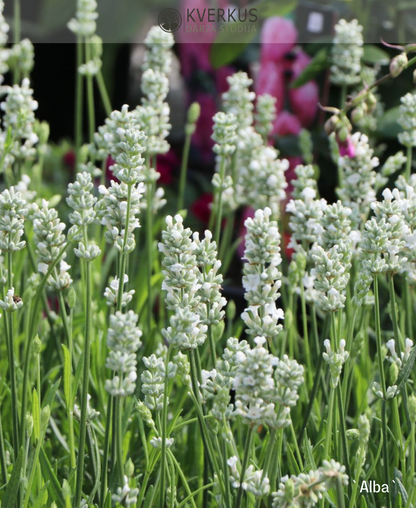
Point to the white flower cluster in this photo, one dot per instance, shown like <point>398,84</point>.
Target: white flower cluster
<point>359,178</point>
<point>49,240</point>
<point>93,65</point>
<point>305,178</point>
<point>404,355</point>
<point>265,386</point>
<point>22,57</point>
<point>383,235</point>
<point>307,489</point>
<point>111,292</point>
<point>218,383</point>
<point>331,276</point>
<point>84,24</point>
<point>112,210</point>
<point>254,481</point>
<point>262,277</point>
<point>210,280</point>
<point>238,100</point>
<point>346,53</point>
<point>393,164</point>
<point>224,135</point>
<point>261,178</point>
<point>186,330</point>
<point>153,381</point>
<point>265,114</point>
<point>12,302</point>
<point>18,108</point>
<point>125,495</point>
<point>82,202</point>
<point>123,340</point>
<point>335,360</point>
<point>12,215</point>
<point>407,120</point>
<point>158,54</point>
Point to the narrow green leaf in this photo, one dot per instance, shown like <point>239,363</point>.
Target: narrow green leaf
<point>42,497</point>
<point>406,370</point>
<point>12,488</point>
<point>308,452</point>
<point>318,63</point>
<point>54,488</point>
<point>67,376</point>
<point>50,394</point>
<point>373,54</point>
<point>36,414</point>
<point>77,377</point>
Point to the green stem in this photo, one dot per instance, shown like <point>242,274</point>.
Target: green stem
<point>328,435</point>
<point>103,92</point>
<point>383,388</point>
<point>396,330</point>
<point>104,479</point>
<point>247,450</point>
<point>85,384</point>
<point>16,37</point>
<point>3,462</point>
<point>164,433</point>
<point>184,168</point>
<point>306,336</point>
<point>118,405</point>
<point>218,212</point>
<point>90,96</point>
<point>78,101</point>
<point>149,245</point>
<point>408,170</point>
<point>357,477</point>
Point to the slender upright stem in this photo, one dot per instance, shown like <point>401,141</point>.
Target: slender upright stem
<point>408,170</point>
<point>218,212</point>
<point>184,168</point>
<point>164,432</point>
<point>383,388</point>
<point>247,450</point>
<point>306,336</point>
<point>149,245</point>
<point>85,384</point>
<point>118,405</point>
<point>90,96</point>
<point>328,434</point>
<point>16,36</point>
<point>79,96</point>
<point>105,451</point>
<point>103,92</point>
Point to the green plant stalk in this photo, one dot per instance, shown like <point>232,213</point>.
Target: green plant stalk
<point>218,212</point>
<point>12,362</point>
<point>383,388</point>
<point>149,245</point>
<point>204,430</point>
<point>267,459</point>
<point>118,406</point>
<point>357,476</point>
<point>85,384</point>
<point>30,336</point>
<point>183,478</point>
<point>211,342</point>
<point>409,158</point>
<point>103,92</point>
<point>105,451</point>
<point>3,462</point>
<point>246,457</point>
<point>328,435</point>
<point>184,168</point>
<point>396,330</point>
<point>164,432</point>
<point>412,451</point>
<point>306,337</point>
<point>33,470</point>
<point>90,96</point>
<point>78,101</point>
<point>340,494</point>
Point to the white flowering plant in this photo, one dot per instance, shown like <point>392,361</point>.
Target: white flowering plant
<point>135,370</point>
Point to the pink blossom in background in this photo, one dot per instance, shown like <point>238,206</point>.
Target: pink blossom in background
<point>347,148</point>
<point>286,124</point>
<point>167,164</point>
<point>270,79</point>
<point>221,76</point>
<point>304,102</point>
<point>202,136</point>
<point>278,36</point>
<point>69,160</point>
<point>201,208</point>
<point>194,56</point>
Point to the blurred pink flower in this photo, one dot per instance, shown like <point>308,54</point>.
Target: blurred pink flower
<point>167,164</point>
<point>270,79</point>
<point>278,36</point>
<point>286,124</point>
<point>221,76</point>
<point>347,148</point>
<point>304,102</point>
<point>201,208</point>
<point>194,56</point>
<point>202,136</point>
